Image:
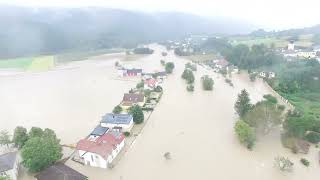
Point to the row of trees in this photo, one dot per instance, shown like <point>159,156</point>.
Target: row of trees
<point>259,118</point>
<point>39,148</point>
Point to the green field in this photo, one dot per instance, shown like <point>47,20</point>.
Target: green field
<point>303,41</point>
<point>41,63</point>
<point>201,57</point>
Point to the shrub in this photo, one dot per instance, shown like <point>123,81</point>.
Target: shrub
<point>188,76</point>
<point>313,137</point>
<point>305,162</point>
<point>281,107</point>
<point>140,85</point>
<point>169,67</point>
<point>117,109</point>
<point>127,134</point>
<point>190,88</point>
<point>270,98</point>
<point>207,83</point>
<point>284,164</point>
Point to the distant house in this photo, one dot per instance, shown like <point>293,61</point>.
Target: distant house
<point>102,151</point>
<point>60,171</point>
<point>291,46</point>
<point>99,131</point>
<point>9,165</point>
<point>307,54</point>
<point>222,63</point>
<point>120,122</point>
<point>123,72</point>
<point>150,83</point>
<point>268,75</point>
<point>130,99</point>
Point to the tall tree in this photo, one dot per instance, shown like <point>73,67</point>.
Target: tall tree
<point>245,133</point>
<point>137,114</point>
<point>169,67</point>
<point>20,136</point>
<point>263,116</point>
<point>35,132</point>
<point>243,104</point>
<point>42,151</point>
<point>4,137</point>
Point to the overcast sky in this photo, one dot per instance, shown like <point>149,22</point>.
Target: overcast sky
<point>271,14</point>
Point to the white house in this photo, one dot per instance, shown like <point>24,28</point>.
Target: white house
<point>9,165</point>
<point>307,54</point>
<point>102,151</point>
<point>291,46</point>
<point>119,122</point>
<point>263,74</point>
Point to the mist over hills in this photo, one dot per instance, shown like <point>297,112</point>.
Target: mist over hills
<point>32,31</point>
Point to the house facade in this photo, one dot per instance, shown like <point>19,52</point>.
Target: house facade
<point>9,165</point>
<point>102,151</point>
<point>118,122</point>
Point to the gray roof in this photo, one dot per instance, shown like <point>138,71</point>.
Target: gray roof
<point>7,161</point>
<point>60,172</point>
<point>99,131</point>
<point>111,118</point>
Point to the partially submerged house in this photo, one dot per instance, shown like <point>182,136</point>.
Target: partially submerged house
<point>221,63</point>
<point>60,171</point>
<point>151,83</point>
<point>102,151</point>
<point>123,72</point>
<point>9,165</point>
<point>131,99</point>
<point>118,122</point>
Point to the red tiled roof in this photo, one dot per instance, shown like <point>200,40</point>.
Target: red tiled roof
<point>103,146</point>
<point>151,82</point>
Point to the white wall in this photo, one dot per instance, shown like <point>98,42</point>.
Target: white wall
<point>125,127</point>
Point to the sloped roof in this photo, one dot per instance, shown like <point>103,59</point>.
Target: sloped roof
<point>111,118</point>
<point>7,161</point>
<point>132,97</point>
<point>103,146</point>
<point>60,171</point>
<point>99,131</point>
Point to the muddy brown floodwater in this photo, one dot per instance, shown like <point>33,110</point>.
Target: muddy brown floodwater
<point>196,128</point>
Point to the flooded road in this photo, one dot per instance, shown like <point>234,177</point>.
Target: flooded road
<point>196,128</point>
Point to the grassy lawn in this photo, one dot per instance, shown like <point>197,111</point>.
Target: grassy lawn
<point>304,41</point>
<point>201,57</point>
<point>18,63</point>
<point>307,102</point>
<point>42,63</point>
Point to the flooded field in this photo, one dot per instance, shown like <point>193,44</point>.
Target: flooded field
<point>196,128</point>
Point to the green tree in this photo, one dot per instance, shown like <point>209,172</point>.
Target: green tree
<point>243,105</point>
<point>137,113</point>
<point>6,177</point>
<point>20,136</point>
<point>245,133</point>
<point>207,83</point>
<point>140,85</point>
<point>4,137</point>
<point>117,109</point>
<point>35,132</point>
<point>263,117</point>
<point>42,151</point>
<point>169,67</point>
<point>270,98</point>
<point>188,76</point>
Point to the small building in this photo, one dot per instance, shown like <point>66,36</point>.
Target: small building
<point>102,151</point>
<point>307,54</point>
<point>119,122</point>
<point>123,72</point>
<point>150,83</point>
<point>268,75</point>
<point>291,46</point>
<point>131,99</point>
<point>9,165</point>
<point>99,131</point>
<point>60,171</point>
<point>222,63</point>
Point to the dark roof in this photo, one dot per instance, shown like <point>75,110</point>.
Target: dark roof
<point>134,70</point>
<point>99,131</point>
<point>60,171</point>
<point>132,97</point>
<point>7,161</point>
<point>117,118</point>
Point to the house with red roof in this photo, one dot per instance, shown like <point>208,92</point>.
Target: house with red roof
<point>150,83</point>
<point>101,151</point>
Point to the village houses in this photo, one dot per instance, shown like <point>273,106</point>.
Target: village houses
<point>101,151</point>
<point>123,72</point>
